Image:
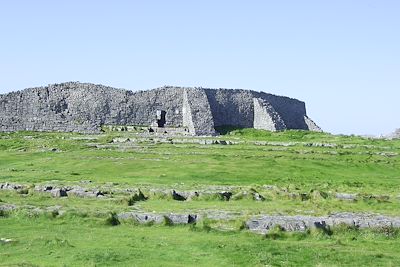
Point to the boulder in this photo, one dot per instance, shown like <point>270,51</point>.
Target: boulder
<point>142,218</point>
<point>81,192</point>
<point>345,196</point>
<point>58,192</point>
<point>177,196</point>
<point>225,195</point>
<point>10,186</point>
<point>263,224</point>
<point>181,218</point>
<point>43,188</point>
<point>258,197</point>
<point>7,207</point>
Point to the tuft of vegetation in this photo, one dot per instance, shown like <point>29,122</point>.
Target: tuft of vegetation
<point>3,213</point>
<point>139,196</point>
<point>277,232</point>
<point>112,219</point>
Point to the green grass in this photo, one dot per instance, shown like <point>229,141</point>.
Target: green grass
<point>76,241</point>
<point>31,160</point>
<point>293,161</point>
<point>281,206</point>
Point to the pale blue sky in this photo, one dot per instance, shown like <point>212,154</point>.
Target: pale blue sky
<point>341,57</point>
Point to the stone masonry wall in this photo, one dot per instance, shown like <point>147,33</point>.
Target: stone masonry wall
<point>236,107</point>
<point>292,111</point>
<point>84,107</point>
<point>265,116</point>
<point>231,107</point>
<point>198,115</point>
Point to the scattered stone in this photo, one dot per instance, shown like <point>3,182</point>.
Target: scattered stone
<point>58,192</point>
<point>298,196</point>
<point>54,208</point>
<point>316,195</point>
<point>204,142</point>
<point>263,224</point>
<point>258,197</point>
<point>252,194</point>
<point>43,188</point>
<point>320,145</point>
<point>82,192</point>
<point>388,154</point>
<point>379,198</point>
<point>169,218</point>
<point>225,195</point>
<point>5,240</point>
<point>287,223</point>
<point>10,186</point>
<point>76,191</point>
<point>191,195</point>
<point>121,140</point>
<point>394,135</point>
<point>7,207</point>
<point>270,187</point>
<point>181,218</point>
<point>177,196</point>
<point>138,196</point>
<point>345,196</point>
<point>142,218</point>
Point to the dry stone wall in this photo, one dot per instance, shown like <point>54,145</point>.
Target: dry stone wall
<point>200,121</point>
<point>265,116</point>
<point>231,107</point>
<point>85,107</point>
<point>236,107</point>
<point>81,107</point>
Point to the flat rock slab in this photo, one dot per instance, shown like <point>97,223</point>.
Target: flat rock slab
<point>159,218</point>
<point>7,207</point>
<point>10,186</point>
<point>263,224</point>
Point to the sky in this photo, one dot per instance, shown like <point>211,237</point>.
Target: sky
<point>341,57</point>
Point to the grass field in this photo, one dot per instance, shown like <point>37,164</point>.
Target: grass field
<point>75,241</point>
<point>283,167</point>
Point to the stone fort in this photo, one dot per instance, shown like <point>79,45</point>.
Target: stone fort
<point>85,107</point>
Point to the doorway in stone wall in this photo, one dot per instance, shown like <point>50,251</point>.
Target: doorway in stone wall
<point>160,118</point>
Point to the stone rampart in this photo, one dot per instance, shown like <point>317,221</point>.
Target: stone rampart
<point>85,107</point>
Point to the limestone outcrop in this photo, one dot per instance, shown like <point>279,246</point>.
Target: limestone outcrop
<point>85,107</point>
<point>394,135</point>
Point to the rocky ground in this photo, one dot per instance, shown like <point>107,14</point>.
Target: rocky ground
<point>256,222</point>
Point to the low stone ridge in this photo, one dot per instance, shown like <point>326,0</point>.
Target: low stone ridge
<point>176,218</point>
<point>66,191</point>
<point>394,135</point>
<point>223,193</point>
<point>7,207</point>
<point>260,224</point>
<point>85,107</point>
<point>11,186</point>
<point>263,224</point>
<point>346,196</point>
